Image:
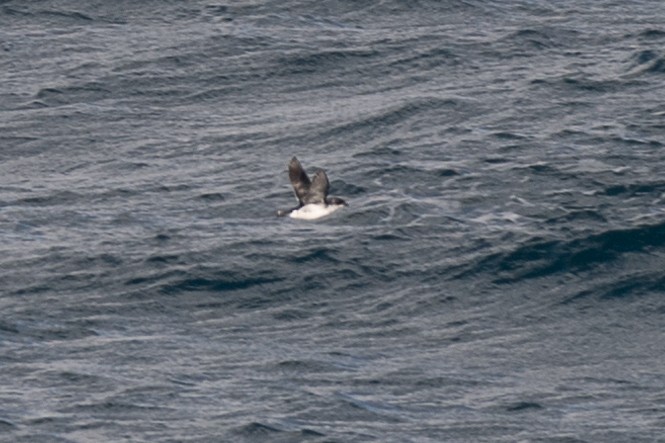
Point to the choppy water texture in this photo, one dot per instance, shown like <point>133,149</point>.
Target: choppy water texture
<point>497,277</point>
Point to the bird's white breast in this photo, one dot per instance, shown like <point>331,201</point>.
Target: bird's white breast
<point>313,211</point>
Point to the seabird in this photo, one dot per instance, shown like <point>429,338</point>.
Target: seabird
<point>313,200</point>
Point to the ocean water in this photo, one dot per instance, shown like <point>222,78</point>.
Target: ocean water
<point>498,276</point>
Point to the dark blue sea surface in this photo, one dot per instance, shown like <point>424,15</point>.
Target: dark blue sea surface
<point>498,276</point>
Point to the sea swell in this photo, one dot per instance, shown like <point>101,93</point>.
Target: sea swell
<point>496,276</point>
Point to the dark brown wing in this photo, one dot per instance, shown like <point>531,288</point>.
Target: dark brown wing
<point>299,180</point>
<point>318,189</point>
